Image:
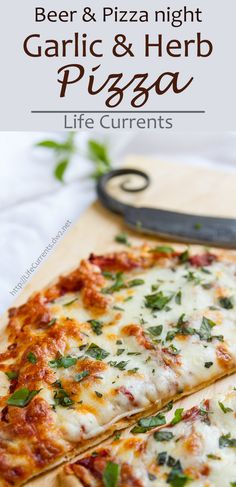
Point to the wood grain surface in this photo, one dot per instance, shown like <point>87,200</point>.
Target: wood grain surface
<point>174,186</point>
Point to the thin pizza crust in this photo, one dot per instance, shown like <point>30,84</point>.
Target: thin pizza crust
<point>199,448</point>
<point>131,418</point>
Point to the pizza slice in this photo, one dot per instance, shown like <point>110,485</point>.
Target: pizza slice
<point>113,341</point>
<point>197,448</point>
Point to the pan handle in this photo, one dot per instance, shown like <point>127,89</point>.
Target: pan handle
<point>112,203</point>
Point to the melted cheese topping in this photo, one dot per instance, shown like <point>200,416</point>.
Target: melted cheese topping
<point>199,451</point>
<point>117,336</point>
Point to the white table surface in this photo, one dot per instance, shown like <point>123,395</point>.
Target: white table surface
<point>34,206</point>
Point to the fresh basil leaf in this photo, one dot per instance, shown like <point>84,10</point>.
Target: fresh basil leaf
<point>60,169</point>
<point>12,374</point>
<point>205,328</point>
<point>21,397</point>
<point>31,357</point>
<point>96,352</point>
<point>135,282</point>
<point>177,416</point>
<point>111,474</point>
<point>52,322</point>
<point>176,477</point>
<point>178,298</point>
<point>61,398</point>
<point>117,286</point>
<point>208,364</point>
<point>63,362</point>
<point>98,394</point>
<point>157,301</point>
<point>119,365</point>
<point>163,435</point>
<point>96,326</point>
<point>70,302</point>
<point>227,441</point>
<point>224,408</point>
<point>155,330</point>
<point>161,458</point>
<point>184,257</point>
<point>146,424</point>
<point>163,249</point>
<point>81,375</point>
<point>226,303</point>
<point>123,239</point>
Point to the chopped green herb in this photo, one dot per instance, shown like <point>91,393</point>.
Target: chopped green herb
<point>171,335</point>
<point>226,303</point>
<point>205,328</point>
<point>96,352</point>
<point>191,277</point>
<point>70,302</point>
<point>163,249</point>
<point>178,298</point>
<point>31,357</point>
<point>61,398</point>
<point>155,330</point>
<point>208,364</point>
<point>52,322</point>
<point>151,476</point>
<point>198,226</point>
<point>12,374</point>
<point>157,301</point>
<point>117,436</point>
<point>21,397</point>
<point>120,351</point>
<point>118,308</point>
<point>146,424</point>
<point>135,282</point>
<point>224,408</point>
<point>123,239</point>
<point>161,458</point>
<point>96,326</point>
<point>111,475</point>
<point>98,394</point>
<point>213,457</point>
<point>117,286</point>
<point>173,350</point>
<point>227,441</point>
<point>80,376</point>
<point>64,362</point>
<point>119,365</point>
<point>163,435</point>
<point>184,257</point>
<point>177,416</point>
<point>176,477</point>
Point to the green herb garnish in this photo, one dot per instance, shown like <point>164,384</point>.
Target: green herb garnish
<point>21,397</point>
<point>157,301</point>
<point>178,414</point>
<point>96,352</point>
<point>64,362</point>
<point>96,326</point>
<point>163,435</point>
<point>146,424</point>
<point>226,303</point>
<point>81,375</point>
<point>123,239</point>
<point>224,408</point>
<point>31,357</point>
<point>111,474</point>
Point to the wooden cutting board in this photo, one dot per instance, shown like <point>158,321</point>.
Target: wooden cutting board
<point>174,186</point>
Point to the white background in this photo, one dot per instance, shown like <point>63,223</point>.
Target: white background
<point>34,206</point>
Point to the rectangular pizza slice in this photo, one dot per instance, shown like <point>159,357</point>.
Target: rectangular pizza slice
<point>113,341</point>
<point>197,448</point>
